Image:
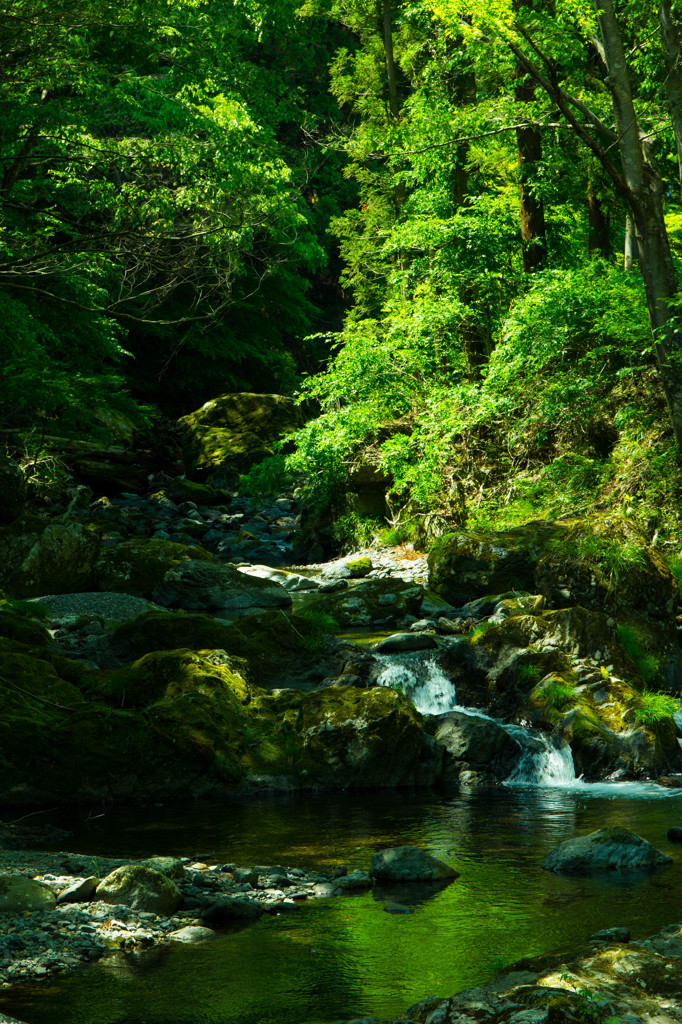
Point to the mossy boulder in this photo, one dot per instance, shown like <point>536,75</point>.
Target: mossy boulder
<point>39,557</point>
<point>22,628</point>
<point>279,648</point>
<point>369,601</point>
<point>141,888</point>
<point>199,585</point>
<point>139,566</point>
<point>19,895</point>
<point>604,564</point>
<point>231,433</point>
<point>12,491</point>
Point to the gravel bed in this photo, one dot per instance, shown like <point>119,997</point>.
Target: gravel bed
<point>38,944</point>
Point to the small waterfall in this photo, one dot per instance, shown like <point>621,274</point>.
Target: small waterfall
<point>421,679</point>
<point>543,761</point>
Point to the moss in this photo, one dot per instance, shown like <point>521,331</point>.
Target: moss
<point>368,601</point>
<point>172,673</point>
<point>138,566</point>
<point>25,630</point>
<point>359,567</point>
<point>47,558</point>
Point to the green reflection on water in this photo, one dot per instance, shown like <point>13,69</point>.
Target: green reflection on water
<point>348,957</point>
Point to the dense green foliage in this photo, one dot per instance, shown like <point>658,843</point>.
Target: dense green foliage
<point>202,197</point>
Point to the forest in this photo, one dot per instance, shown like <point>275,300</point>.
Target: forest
<point>340,511</point>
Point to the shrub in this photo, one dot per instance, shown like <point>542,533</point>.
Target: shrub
<point>651,707</point>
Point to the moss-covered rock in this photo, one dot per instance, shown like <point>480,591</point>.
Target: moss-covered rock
<point>279,648</point>
<point>179,490</point>
<point>369,601</point>
<point>142,888</point>
<point>231,433</point>
<point>198,585</point>
<point>47,558</point>
<point>138,566</point>
<point>22,628</point>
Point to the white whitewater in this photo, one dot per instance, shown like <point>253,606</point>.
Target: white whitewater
<point>543,761</point>
<point>421,679</point>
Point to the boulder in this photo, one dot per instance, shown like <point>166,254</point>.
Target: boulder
<point>171,867</point>
<point>369,601</point>
<point>12,491</point>
<point>231,909</point>
<point>140,888</point>
<point>199,586</point>
<point>399,643</point>
<point>79,892</point>
<point>409,864</point>
<point>19,894</point>
<point>607,849</point>
<point>475,739</point>
<point>139,566</point>
<point>37,557</point>
<point>191,934</point>
<point>229,434</point>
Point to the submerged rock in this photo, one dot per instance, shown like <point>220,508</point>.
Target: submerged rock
<point>607,849</point>
<point>409,864</point>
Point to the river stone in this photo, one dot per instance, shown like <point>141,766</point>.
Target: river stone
<point>79,892</point>
<point>607,849</point>
<point>473,738</point>
<point>19,894</point>
<point>197,586</point>
<point>675,834</point>
<point>171,867</point>
<point>611,935</point>
<point>140,888</point>
<point>192,933</point>
<point>355,880</point>
<point>229,909</point>
<point>409,864</point>
<point>399,643</point>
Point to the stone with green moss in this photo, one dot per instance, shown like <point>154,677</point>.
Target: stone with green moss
<point>358,567</point>
<point>22,628</point>
<point>369,601</point>
<point>20,895</point>
<point>231,433</point>
<point>179,490</point>
<point>138,566</point>
<point>47,558</point>
<point>200,585</point>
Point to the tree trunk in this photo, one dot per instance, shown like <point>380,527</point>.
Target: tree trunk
<point>645,190</point>
<point>672,54</point>
<point>599,237</point>
<point>391,77</point>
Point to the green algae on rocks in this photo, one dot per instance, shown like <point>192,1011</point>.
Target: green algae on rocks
<point>138,566</point>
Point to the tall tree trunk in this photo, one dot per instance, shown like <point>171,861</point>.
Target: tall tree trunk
<point>630,249</point>
<point>672,54</point>
<point>391,77</point>
<point>645,190</point>
<point>529,157</point>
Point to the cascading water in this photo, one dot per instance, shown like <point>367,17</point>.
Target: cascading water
<point>543,761</point>
<point>421,679</point>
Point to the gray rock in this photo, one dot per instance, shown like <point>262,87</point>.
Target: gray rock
<point>409,864</point>
<point>291,581</point>
<point>474,739</point>
<point>192,933</point>
<point>249,875</point>
<point>81,892</point>
<point>401,642</point>
<point>355,880</point>
<point>229,909</point>
<point>140,888</point>
<point>607,849</point>
<point>198,586</point>
<point>18,894</point>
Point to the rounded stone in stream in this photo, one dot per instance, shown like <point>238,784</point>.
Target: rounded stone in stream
<point>611,935</point>
<point>18,894</point>
<point>607,849</point>
<point>140,888</point>
<point>675,834</point>
<point>171,867</point>
<point>192,933</point>
<point>409,864</point>
<point>229,910</point>
<point>398,643</point>
<point>80,892</point>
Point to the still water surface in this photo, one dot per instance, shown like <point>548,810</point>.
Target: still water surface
<point>348,957</point>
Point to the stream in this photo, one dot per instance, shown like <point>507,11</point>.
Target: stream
<point>354,955</point>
